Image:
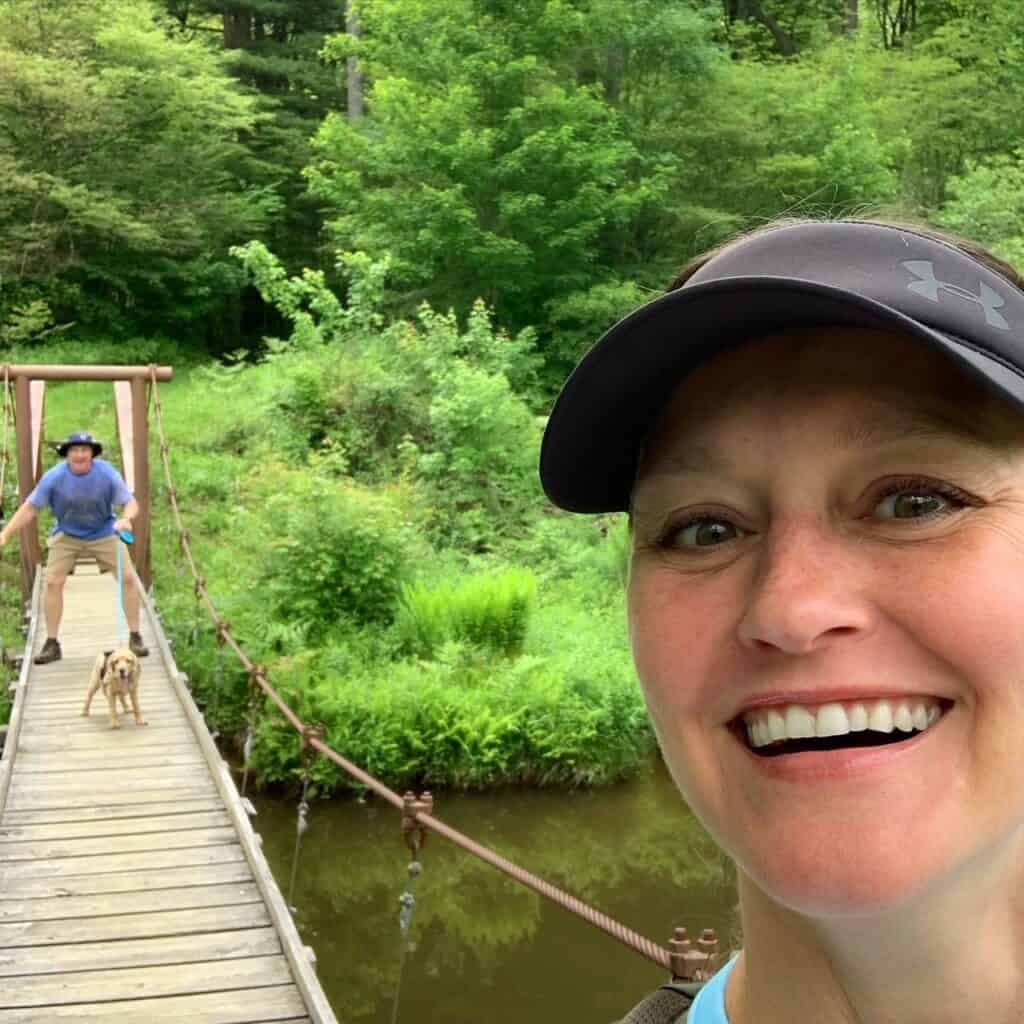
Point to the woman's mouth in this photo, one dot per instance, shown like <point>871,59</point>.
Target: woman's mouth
<point>794,728</point>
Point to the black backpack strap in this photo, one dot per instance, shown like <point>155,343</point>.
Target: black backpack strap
<point>669,1004</point>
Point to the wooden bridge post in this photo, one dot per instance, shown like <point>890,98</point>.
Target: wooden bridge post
<point>29,444</point>
<point>140,460</point>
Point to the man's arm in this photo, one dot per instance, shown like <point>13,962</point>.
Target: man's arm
<point>23,517</point>
<point>128,513</point>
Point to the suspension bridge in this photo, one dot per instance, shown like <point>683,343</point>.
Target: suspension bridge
<point>132,883</point>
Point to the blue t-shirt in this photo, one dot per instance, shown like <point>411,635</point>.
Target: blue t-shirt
<point>82,502</point>
<point>709,1006</point>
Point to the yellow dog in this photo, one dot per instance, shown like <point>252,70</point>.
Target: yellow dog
<point>118,673</point>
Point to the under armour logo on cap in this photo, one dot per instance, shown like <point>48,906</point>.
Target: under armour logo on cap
<point>929,286</point>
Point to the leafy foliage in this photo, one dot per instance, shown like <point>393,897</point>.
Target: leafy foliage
<point>490,612</point>
<point>101,112</point>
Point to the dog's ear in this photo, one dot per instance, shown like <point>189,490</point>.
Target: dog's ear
<point>106,655</point>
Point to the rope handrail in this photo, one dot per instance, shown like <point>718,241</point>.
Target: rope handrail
<point>258,677</point>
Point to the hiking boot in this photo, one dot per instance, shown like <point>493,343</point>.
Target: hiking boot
<point>50,652</point>
<point>136,646</point>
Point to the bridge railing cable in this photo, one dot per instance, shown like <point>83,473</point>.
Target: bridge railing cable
<point>310,737</point>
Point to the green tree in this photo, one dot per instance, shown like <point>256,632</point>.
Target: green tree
<point>273,48</point>
<point>122,179</point>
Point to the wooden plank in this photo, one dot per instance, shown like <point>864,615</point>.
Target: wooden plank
<point>295,950</point>
<point>209,947</point>
<point>141,490</point>
<point>279,1004</point>
<point>119,863</point>
<point>105,762</point>
<point>113,928</point>
<point>25,799</point>
<point>38,391</point>
<point>95,781</point>
<point>133,881</point>
<point>70,704</point>
<point>122,875</point>
<point>31,553</point>
<point>136,983</point>
<point>123,410</point>
<point>61,908</point>
<point>131,740</point>
<point>13,853</point>
<point>129,826</point>
<point>97,812</point>
<point>12,744</point>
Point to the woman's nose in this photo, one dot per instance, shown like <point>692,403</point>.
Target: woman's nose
<point>807,592</point>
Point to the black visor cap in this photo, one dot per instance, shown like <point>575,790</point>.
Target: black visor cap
<point>814,274</point>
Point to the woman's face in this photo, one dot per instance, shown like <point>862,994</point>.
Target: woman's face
<point>829,539</point>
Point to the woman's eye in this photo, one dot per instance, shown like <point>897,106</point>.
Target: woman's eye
<point>704,533</point>
<point>914,504</point>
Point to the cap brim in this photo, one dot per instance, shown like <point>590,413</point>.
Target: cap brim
<point>62,449</point>
<point>589,454</point>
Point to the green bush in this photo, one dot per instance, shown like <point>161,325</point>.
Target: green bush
<point>339,554</point>
<point>466,723</point>
<point>490,612</point>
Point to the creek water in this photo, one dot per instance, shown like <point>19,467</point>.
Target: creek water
<point>480,946</point>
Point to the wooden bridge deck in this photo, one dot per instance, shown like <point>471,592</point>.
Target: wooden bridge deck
<point>132,887</point>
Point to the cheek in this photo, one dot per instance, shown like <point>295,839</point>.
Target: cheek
<point>674,637</point>
<point>966,606</point>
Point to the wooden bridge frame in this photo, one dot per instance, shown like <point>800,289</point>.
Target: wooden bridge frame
<point>130,399</point>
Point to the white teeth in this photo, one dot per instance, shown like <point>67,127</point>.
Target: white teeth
<point>800,724</point>
<point>903,719</point>
<point>832,720</point>
<point>880,717</point>
<point>795,721</point>
<point>858,716</point>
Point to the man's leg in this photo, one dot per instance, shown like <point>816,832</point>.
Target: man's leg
<point>54,602</point>
<point>60,560</point>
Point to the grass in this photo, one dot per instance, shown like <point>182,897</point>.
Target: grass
<point>507,666</point>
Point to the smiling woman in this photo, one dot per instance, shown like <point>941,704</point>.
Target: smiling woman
<point>819,434</point>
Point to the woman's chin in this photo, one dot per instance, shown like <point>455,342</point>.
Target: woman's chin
<point>840,887</point>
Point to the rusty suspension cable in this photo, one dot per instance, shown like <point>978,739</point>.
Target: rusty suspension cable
<point>258,676</point>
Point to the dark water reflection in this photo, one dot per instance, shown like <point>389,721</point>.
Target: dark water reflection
<point>481,946</point>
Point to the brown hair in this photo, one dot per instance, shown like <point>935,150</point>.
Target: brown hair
<point>964,245</point>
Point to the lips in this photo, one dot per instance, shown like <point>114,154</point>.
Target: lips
<point>792,727</point>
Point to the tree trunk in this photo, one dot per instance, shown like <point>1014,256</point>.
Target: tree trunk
<point>751,10</point>
<point>353,76</point>
<point>852,17</point>
<point>783,41</point>
<point>237,29</point>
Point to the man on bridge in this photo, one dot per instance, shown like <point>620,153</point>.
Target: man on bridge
<point>81,491</point>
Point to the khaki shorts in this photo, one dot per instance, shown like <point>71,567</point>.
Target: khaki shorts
<point>64,551</point>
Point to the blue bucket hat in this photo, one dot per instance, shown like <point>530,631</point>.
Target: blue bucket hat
<point>79,437</point>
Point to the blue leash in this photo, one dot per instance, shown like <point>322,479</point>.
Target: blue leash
<point>122,627</point>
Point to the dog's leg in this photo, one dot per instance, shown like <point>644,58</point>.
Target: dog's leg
<point>124,700</point>
<point>134,693</point>
<point>115,722</point>
<point>94,685</point>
